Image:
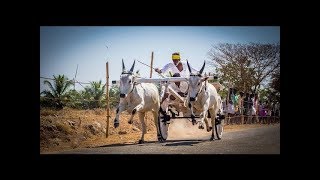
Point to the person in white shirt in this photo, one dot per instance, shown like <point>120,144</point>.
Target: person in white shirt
<point>176,66</point>
<point>177,69</point>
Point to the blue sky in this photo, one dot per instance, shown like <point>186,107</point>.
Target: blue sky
<point>62,48</point>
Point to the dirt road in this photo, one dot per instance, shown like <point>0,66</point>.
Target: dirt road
<point>261,140</point>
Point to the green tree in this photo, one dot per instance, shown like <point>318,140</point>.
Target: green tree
<point>275,88</point>
<point>275,81</point>
<point>74,100</point>
<point>94,94</point>
<point>246,66</point>
<point>86,98</point>
<point>57,95</point>
<point>114,96</point>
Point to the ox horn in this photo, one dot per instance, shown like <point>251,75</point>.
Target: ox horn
<point>131,70</point>
<point>201,70</point>
<point>123,67</point>
<point>189,67</point>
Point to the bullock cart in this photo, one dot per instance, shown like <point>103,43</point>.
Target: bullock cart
<point>177,108</point>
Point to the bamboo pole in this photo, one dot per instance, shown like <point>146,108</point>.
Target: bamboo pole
<point>107,99</point>
<point>151,65</point>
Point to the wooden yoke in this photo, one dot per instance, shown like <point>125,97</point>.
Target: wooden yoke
<point>175,94</point>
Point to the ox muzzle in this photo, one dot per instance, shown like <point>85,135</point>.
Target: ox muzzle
<point>122,95</point>
<point>194,98</point>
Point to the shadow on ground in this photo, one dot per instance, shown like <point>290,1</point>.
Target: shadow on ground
<point>166,143</point>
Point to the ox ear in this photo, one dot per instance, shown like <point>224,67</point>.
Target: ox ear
<point>132,67</point>
<point>123,67</point>
<point>134,80</point>
<point>204,79</point>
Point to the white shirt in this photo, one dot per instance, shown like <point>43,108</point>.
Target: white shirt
<point>170,67</point>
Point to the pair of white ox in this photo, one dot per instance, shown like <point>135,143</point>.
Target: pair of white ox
<point>143,97</point>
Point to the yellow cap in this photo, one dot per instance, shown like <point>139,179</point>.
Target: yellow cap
<point>176,56</point>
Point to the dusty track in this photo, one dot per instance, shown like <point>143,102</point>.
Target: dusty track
<point>259,140</point>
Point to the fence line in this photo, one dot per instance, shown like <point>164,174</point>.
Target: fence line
<point>251,119</point>
<point>74,81</point>
<point>72,99</point>
<point>231,117</point>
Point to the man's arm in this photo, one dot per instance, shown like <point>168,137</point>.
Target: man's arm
<point>164,69</point>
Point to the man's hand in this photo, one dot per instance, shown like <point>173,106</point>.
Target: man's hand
<point>157,70</point>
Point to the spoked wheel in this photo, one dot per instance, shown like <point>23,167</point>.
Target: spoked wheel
<point>163,129</point>
<point>219,128</point>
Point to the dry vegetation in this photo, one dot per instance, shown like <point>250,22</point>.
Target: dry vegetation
<point>69,128</point>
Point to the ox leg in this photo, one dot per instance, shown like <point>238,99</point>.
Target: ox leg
<point>201,122</point>
<point>116,121</point>
<point>136,109</point>
<point>209,128</point>
<point>204,115</point>
<point>155,118</point>
<point>144,130</point>
<point>194,122</point>
<point>213,113</point>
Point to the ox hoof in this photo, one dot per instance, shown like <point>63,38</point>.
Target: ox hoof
<point>116,124</point>
<point>212,139</point>
<point>141,141</point>
<point>219,138</point>
<point>201,127</point>
<point>130,122</point>
<point>160,139</point>
<point>210,128</point>
<point>194,122</point>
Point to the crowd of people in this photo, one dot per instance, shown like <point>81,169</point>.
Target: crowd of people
<point>251,106</point>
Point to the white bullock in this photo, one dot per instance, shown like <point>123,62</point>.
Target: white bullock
<point>203,97</point>
<point>137,98</point>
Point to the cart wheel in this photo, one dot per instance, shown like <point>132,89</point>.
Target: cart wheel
<point>219,128</point>
<point>163,129</point>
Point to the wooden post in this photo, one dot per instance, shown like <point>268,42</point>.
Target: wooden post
<point>107,99</point>
<point>151,65</point>
<point>242,118</point>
